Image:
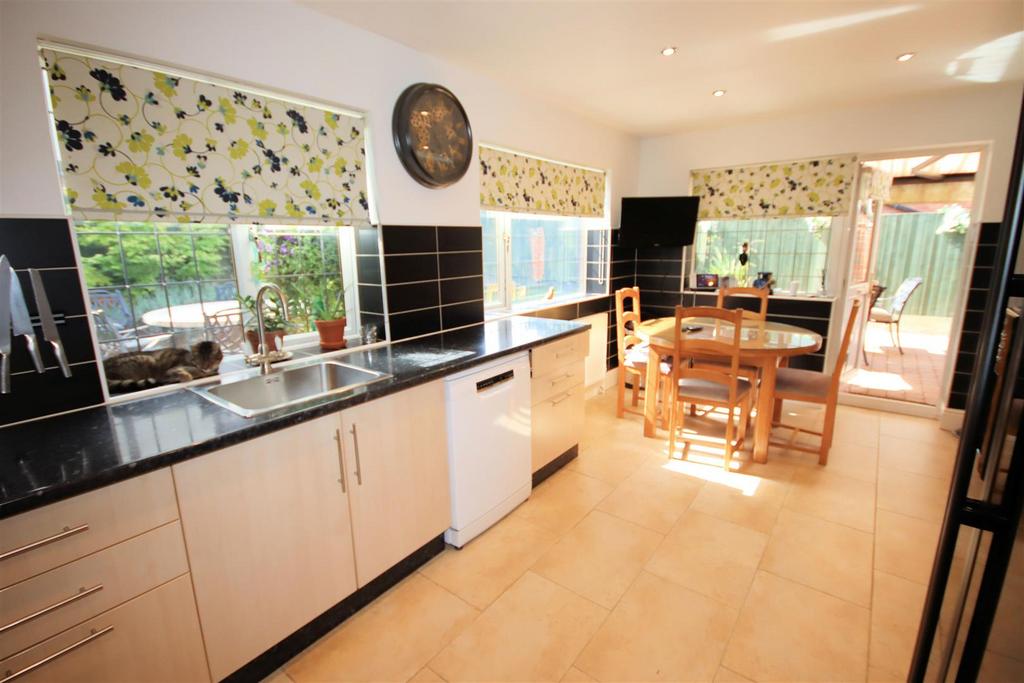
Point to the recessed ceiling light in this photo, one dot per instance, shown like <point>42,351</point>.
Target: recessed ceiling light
<point>424,113</point>
<point>668,51</point>
<point>905,57</point>
<point>718,93</point>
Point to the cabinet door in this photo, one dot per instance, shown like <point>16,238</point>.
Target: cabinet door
<point>268,538</point>
<point>396,453</point>
<point>557,425</point>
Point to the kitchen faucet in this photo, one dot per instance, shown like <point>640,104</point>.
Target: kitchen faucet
<point>262,354</point>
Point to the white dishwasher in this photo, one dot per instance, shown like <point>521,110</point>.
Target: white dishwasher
<point>488,415</point>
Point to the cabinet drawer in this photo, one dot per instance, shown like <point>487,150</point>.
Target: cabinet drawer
<point>154,637</point>
<point>36,541</point>
<point>51,602</point>
<point>549,357</point>
<point>557,425</point>
<point>549,385</point>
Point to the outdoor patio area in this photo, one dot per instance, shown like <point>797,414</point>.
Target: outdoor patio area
<point>915,375</point>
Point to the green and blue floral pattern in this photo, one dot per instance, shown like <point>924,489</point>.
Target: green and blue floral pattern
<point>813,187</point>
<point>516,182</point>
<point>136,144</point>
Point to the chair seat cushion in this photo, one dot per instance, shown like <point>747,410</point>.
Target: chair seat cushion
<point>636,357</point>
<point>693,389</point>
<point>880,315</point>
<point>795,382</point>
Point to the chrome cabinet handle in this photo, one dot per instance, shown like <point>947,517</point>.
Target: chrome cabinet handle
<point>341,459</point>
<point>563,399</point>
<point>359,465</point>
<point>564,377</point>
<point>82,592</point>
<point>68,531</point>
<point>10,676</point>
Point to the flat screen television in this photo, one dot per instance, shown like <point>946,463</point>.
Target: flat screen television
<point>657,221</point>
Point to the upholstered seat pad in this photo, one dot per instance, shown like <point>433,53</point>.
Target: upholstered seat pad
<point>636,357</point>
<point>802,382</point>
<point>880,315</point>
<point>691,388</point>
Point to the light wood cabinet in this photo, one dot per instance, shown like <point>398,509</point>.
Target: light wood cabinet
<point>152,638</point>
<point>558,393</point>
<point>268,535</point>
<point>396,455</point>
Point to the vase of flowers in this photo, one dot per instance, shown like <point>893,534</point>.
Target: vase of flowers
<point>328,309</point>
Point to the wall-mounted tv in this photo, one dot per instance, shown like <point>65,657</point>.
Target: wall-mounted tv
<point>657,221</point>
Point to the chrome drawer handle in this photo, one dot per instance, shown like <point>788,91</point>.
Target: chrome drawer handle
<point>10,676</point>
<point>68,531</point>
<point>563,399</point>
<point>564,377</point>
<point>341,459</point>
<point>82,592</point>
<point>359,465</point>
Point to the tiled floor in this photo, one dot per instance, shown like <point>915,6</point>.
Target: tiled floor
<point>916,374</point>
<point>626,566</point>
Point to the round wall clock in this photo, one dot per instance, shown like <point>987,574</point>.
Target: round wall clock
<point>432,134</point>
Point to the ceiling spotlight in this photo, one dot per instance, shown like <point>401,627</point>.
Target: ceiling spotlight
<point>424,113</point>
<point>718,93</point>
<point>668,51</point>
<point>905,57</point>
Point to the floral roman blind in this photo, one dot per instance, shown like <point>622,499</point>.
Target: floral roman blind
<point>137,144</point>
<point>517,182</point>
<point>812,187</point>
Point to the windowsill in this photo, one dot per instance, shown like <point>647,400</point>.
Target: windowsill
<point>793,297</point>
<point>527,309</point>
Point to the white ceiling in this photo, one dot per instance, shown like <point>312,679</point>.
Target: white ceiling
<point>602,59</point>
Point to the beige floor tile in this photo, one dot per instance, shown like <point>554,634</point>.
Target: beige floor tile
<point>279,676</point>
<point>910,455</point>
<point>912,494</point>
<point>905,546</point>
<point>726,676</point>
<point>833,497</point>
<point>997,668</point>
<point>600,557</point>
<point>854,461</point>
<point>491,562</point>
<point>858,428</point>
<point>920,429</point>
<point>831,557</point>
<point>563,500</point>
<point>659,631</point>
<point>533,632</point>
<point>789,632</point>
<point>876,675</point>
<point>654,497</point>
<point>711,556</point>
<point>610,462</point>
<point>390,640</point>
<point>895,616</point>
<point>426,675</point>
<point>574,675</point>
<point>746,499</point>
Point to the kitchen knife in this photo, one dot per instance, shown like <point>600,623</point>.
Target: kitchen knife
<point>5,326</point>
<point>50,332</point>
<point>20,321</point>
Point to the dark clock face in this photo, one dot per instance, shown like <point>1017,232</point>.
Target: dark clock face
<point>432,134</point>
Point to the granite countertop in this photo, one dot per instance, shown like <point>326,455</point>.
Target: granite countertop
<point>55,458</point>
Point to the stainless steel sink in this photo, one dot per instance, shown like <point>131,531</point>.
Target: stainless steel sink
<point>287,387</point>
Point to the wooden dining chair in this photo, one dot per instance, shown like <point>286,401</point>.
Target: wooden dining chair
<point>632,352</point>
<point>761,293</point>
<point>715,385</point>
<point>813,387</point>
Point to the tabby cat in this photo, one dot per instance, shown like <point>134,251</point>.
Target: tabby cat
<point>144,369</point>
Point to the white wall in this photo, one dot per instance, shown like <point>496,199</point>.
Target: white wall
<point>290,48</point>
<point>982,114</point>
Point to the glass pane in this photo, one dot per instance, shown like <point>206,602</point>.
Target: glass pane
<point>492,249</point>
<point>111,312</point>
<point>213,257</point>
<point>149,306</point>
<point>179,260</point>
<point>101,259</point>
<point>109,350</point>
<point>332,255</point>
<point>547,258</point>
<point>1003,660</point>
<point>225,290</point>
<point>185,311</point>
<point>141,259</point>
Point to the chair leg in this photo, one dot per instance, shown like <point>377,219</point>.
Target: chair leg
<point>745,418</point>
<point>620,393</point>
<point>636,391</point>
<point>777,411</point>
<point>675,412</point>
<point>891,338</point>
<point>666,398</point>
<point>727,461</point>
<point>898,344</point>
<point>826,432</point>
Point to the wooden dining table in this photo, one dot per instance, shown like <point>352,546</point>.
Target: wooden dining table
<point>763,344</point>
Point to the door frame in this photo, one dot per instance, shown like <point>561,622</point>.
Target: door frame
<point>950,418</point>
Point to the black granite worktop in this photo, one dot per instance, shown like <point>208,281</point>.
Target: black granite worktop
<point>59,457</point>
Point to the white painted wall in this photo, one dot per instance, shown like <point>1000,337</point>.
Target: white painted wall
<point>289,48</point>
<point>982,114</point>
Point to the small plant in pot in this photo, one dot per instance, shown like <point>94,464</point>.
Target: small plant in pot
<point>329,315</point>
<point>274,324</point>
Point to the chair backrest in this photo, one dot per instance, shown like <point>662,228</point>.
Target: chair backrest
<point>760,292</point>
<point>721,340</point>
<point>626,320</point>
<point>225,327</point>
<point>844,348</point>
<point>902,295</point>
<point>112,304</point>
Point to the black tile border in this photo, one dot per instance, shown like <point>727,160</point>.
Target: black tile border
<point>555,465</point>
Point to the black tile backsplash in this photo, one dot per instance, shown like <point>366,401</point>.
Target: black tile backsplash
<point>371,299</point>
<point>46,244</point>
<point>368,270</point>
<point>434,278</point>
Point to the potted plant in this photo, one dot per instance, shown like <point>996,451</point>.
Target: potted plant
<point>328,309</point>
<point>274,326</point>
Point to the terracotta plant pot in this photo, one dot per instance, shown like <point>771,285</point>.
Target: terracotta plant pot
<point>332,334</point>
<point>273,340</point>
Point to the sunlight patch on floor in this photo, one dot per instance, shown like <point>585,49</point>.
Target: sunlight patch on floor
<point>712,471</point>
<point>882,381</point>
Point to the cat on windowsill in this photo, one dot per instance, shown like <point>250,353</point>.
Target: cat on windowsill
<point>144,369</point>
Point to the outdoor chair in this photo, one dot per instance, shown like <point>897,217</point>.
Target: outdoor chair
<point>889,309</point>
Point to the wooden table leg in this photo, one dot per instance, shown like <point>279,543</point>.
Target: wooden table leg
<point>651,393</point>
<point>765,408</point>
